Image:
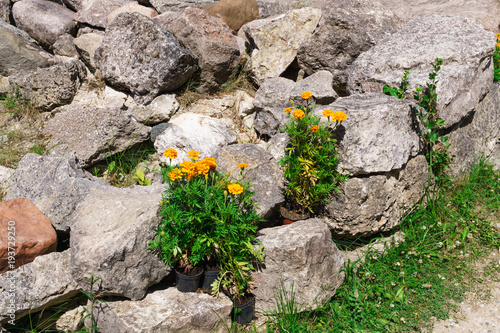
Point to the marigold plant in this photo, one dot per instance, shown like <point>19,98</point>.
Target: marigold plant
<point>311,159</point>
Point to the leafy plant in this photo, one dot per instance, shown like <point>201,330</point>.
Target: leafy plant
<point>93,300</point>
<point>207,215</point>
<point>401,91</point>
<point>496,60</point>
<point>141,178</point>
<point>311,159</point>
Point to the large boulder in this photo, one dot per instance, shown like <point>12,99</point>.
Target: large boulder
<point>32,233</point>
<point>38,285</point>
<point>48,88</point>
<point>465,76</point>
<point>55,184</point>
<point>19,52</point>
<point>302,257</point>
<point>343,33</point>
<point>167,310</point>
<point>43,20</point>
<point>234,12</point>
<point>276,40</point>
<point>210,39</point>
<point>110,232</point>
<point>163,6</point>
<point>477,136</point>
<point>140,56</point>
<point>379,134</point>
<point>94,133</point>
<point>191,131</point>
<point>262,171</point>
<point>484,12</point>
<point>95,12</point>
<point>376,203</point>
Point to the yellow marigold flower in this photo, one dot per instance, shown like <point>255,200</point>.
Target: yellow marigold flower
<point>339,116</point>
<point>170,153</point>
<point>193,154</point>
<point>210,161</point>
<point>314,128</point>
<point>498,44</point>
<point>235,188</point>
<point>306,95</point>
<point>288,110</point>
<point>201,168</point>
<point>328,113</point>
<point>242,165</point>
<point>498,35</point>
<point>298,114</point>
<point>175,174</point>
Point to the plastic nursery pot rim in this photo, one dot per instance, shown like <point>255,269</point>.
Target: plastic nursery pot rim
<point>187,283</point>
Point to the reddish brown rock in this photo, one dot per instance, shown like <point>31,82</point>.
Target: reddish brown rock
<point>25,228</point>
<point>234,12</point>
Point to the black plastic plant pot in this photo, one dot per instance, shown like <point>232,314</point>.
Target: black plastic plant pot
<point>187,283</point>
<point>209,278</point>
<point>245,313</point>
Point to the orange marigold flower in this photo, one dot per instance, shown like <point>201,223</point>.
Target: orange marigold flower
<point>242,165</point>
<point>170,153</point>
<point>314,128</point>
<point>188,168</point>
<point>298,114</point>
<point>175,174</point>
<point>288,110</point>
<point>201,167</point>
<point>210,161</point>
<point>328,113</point>
<point>235,188</point>
<point>498,35</point>
<point>339,116</point>
<point>498,44</point>
<point>193,154</point>
<point>306,95</point>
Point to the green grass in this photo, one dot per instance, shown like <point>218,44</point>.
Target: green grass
<point>496,62</point>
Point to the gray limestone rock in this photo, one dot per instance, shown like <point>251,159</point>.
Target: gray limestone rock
<point>301,255</point>
<point>262,171</point>
<point>139,56</point>
<point>55,184</point>
<point>87,44</point>
<point>5,10</point>
<point>110,231</point>
<point>38,285</point>
<point>167,310</point>
<point>64,46</point>
<point>94,133</point>
<point>465,76</point>
<point>95,12</point>
<point>161,109</point>
<point>163,6</point>
<point>43,20</point>
<point>48,88</point>
<point>376,203</point>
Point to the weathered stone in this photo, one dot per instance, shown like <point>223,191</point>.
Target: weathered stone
<point>55,184</point>
<point>5,177</point>
<point>96,12</point>
<point>87,44</point>
<point>376,203</point>
<point>40,284</point>
<point>5,11</point>
<point>88,96</point>
<point>221,108</point>
<point>142,57</point>
<point>131,8</point>
<point>167,310</point>
<point>110,233</point>
<point>234,12</point>
<point>163,6</point>
<point>465,76</point>
<point>43,20</point>
<point>301,256</point>
<point>478,136</point>
<point>19,52</point>
<point>161,109</point>
<point>270,101</point>
<point>48,88</point>
<point>319,85</point>
<point>277,145</point>
<point>157,130</point>
<point>379,134</point>
<point>211,40</point>
<point>71,320</point>
<point>93,133</point>
<point>77,5</point>
<point>269,8</point>
<point>190,131</point>
<point>32,233</point>
<point>484,12</point>
<point>262,171</point>
<point>345,31</point>
<point>64,46</point>
<point>275,40</point>
<point>243,104</point>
